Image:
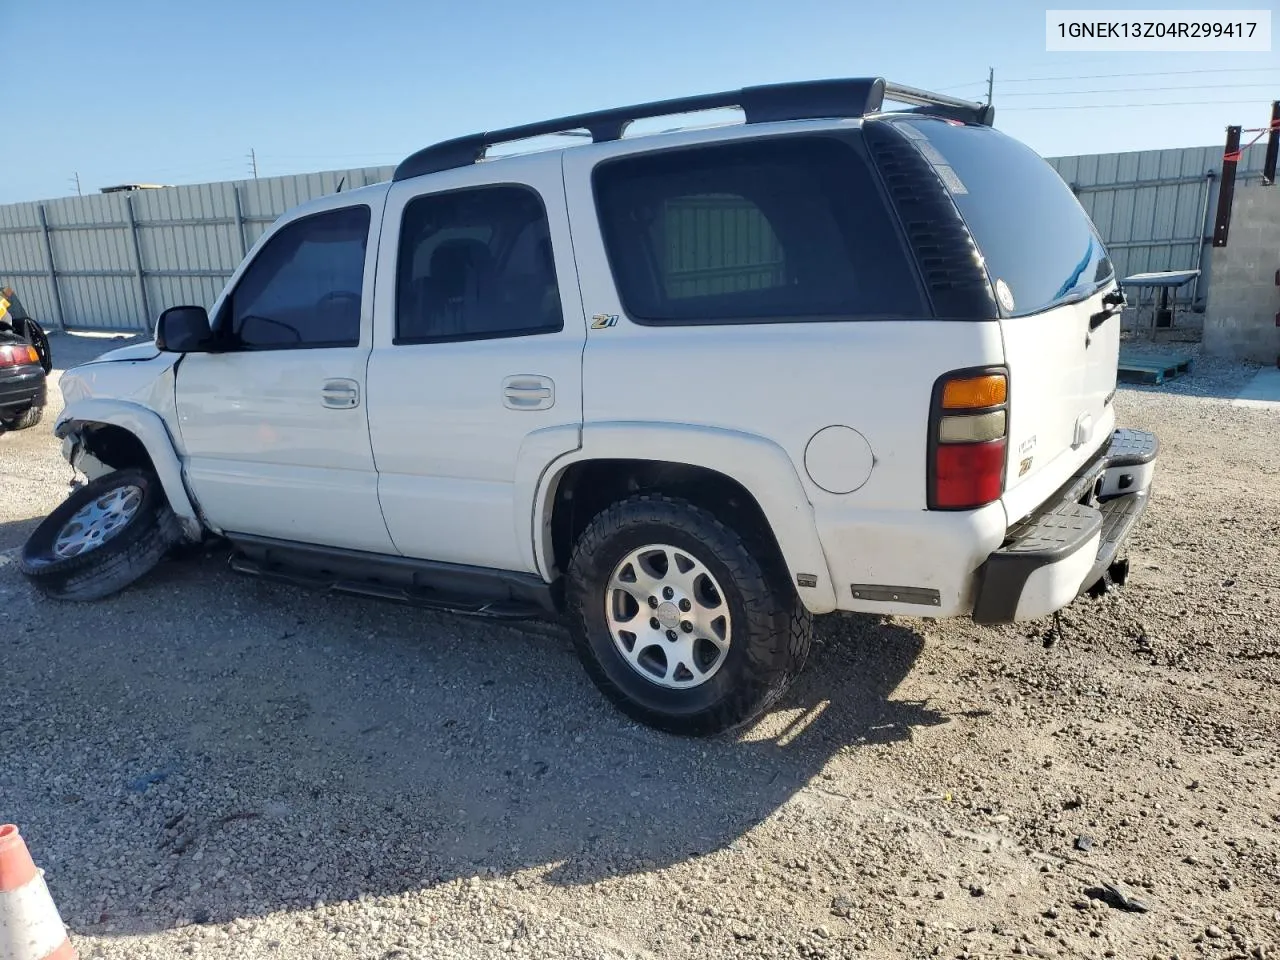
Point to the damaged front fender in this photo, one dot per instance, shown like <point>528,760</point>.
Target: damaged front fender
<point>79,422</point>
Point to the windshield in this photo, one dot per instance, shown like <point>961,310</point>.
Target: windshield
<point>1040,247</point>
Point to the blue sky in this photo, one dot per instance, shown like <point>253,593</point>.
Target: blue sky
<point>178,92</point>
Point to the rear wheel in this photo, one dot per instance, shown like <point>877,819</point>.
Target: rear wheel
<point>680,622</point>
<point>102,538</point>
<point>28,418</point>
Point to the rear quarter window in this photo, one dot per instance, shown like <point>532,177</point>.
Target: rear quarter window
<point>772,230</point>
<point>1032,232</point>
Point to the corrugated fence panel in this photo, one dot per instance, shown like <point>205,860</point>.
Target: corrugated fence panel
<point>190,243</point>
<point>92,249</point>
<point>23,264</point>
<point>1150,206</point>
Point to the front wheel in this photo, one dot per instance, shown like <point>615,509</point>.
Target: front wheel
<point>678,621</point>
<point>102,538</point>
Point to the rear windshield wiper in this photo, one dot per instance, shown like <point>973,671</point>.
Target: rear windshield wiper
<point>1112,304</point>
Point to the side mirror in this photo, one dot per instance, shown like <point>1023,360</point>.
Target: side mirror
<point>184,330</point>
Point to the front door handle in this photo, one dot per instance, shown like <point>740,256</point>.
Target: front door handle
<point>528,392</point>
<point>340,394</point>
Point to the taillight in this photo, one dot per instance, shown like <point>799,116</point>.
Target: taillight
<point>968,439</point>
<point>16,354</point>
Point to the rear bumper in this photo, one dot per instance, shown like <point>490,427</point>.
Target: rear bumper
<point>1071,544</point>
<point>20,388</point>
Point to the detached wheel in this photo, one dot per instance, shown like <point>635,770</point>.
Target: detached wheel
<point>103,537</point>
<point>678,621</point>
<point>28,418</point>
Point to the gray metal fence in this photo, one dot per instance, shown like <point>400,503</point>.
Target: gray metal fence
<point>1155,208</point>
<point>114,261</point>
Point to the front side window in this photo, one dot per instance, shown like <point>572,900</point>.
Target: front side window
<point>475,264</point>
<point>790,228</point>
<point>305,286</point>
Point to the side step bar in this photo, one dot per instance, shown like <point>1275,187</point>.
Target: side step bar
<point>452,588</point>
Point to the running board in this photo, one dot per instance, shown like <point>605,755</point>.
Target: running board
<point>452,588</point>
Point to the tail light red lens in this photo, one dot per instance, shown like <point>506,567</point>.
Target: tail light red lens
<point>968,475</point>
<point>968,439</point>
<point>16,354</point>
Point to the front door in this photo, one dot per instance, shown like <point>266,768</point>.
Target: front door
<point>475,382</point>
<point>275,427</point>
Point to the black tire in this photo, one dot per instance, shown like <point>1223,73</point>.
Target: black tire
<point>28,418</point>
<point>120,559</point>
<point>771,630</point>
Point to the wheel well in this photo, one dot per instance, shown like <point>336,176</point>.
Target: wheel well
<point>115,446</point>
<point>587,488</point>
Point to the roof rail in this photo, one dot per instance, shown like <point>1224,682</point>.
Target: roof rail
<point>804,100</point>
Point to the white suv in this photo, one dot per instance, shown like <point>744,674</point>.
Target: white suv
<point>687,390</point>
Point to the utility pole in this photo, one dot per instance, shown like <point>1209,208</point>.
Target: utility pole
<point>75,180</point>
<point>253,162</point>
<point>991,82</point>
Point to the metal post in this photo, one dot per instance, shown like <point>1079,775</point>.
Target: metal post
<point>1204,230</point>
<point>1273,146</point>
<point>59,320</point>
<point>136,248</point>
<point>239,217</point>
<point>1226,192</point>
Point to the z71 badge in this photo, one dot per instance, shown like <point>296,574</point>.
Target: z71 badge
<point>602,320</point>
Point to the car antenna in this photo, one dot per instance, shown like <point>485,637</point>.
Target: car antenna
<point>341,182</point>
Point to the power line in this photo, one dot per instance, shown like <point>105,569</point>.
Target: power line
<point>1117,106</point>
<point>1157,73</point>
<point>1212,86</point>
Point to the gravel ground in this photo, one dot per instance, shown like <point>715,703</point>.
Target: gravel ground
<point>210,766</point>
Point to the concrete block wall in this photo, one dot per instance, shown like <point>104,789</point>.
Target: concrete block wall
<point>1240,316</point>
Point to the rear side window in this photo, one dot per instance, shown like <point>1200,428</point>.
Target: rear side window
<point>1033,233</point>
<point>476,264</point>
<point>770,230</point>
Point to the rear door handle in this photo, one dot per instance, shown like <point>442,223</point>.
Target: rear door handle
<point>340,394</point>
<point>528,392</point>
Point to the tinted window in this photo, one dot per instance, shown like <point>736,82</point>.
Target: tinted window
<point>304,287</point>
<point>780,229</point>
<point>475,264</point>
<point>1032,232</point>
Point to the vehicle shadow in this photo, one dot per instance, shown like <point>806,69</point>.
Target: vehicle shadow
<point>242,748</point>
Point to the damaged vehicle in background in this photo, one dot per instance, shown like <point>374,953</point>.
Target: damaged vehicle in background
<point>25,362</point>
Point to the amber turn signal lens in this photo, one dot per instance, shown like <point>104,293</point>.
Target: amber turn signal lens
<point>972,393</point>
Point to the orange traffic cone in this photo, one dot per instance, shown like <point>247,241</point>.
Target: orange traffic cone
<point>30,928</point>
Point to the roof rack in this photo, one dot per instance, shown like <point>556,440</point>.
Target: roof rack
<point>805,100</point>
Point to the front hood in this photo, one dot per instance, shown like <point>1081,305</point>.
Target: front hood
<point>146,350</point>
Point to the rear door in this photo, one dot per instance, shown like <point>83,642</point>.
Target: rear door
<point>475,380</point>
<point>1050,271</point>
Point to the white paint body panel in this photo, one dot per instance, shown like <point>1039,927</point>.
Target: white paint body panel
<point>264,455</point>
<point>1060,373</point>
<point>448,449</point>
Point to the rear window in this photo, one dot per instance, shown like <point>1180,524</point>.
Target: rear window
<point>1033,233</point>
<point>767,230</point>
